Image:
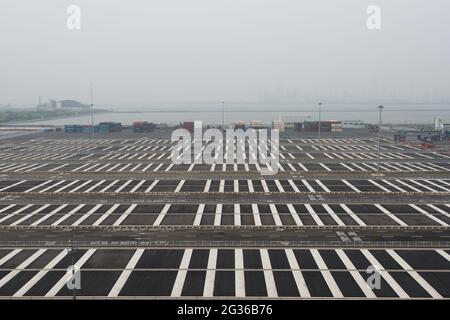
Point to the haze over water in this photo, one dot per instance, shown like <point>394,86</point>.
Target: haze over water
<point>211,113</point>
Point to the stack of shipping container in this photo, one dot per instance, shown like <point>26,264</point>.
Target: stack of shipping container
<point>102,127</point>
<point>188,125</point>
<point>105,127</point>
<point>325,126</point>
<point>143,126</point>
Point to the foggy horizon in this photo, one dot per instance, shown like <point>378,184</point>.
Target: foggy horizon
<point>208,51</point>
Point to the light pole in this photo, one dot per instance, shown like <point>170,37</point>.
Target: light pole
<point>223,115</point>
<point>320,116</point>
<point>381,107</point>
<point>92,107</point>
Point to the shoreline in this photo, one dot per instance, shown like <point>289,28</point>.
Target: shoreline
<point>13,123</point>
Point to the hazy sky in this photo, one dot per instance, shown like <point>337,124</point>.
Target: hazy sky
<point>145,51</point>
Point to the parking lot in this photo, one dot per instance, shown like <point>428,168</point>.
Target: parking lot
<point>63,184</point>
<point>226,214</point>
<point>292,273</point>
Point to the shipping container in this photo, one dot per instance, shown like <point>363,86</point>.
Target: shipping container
<point>278,124</point>
<point>143,126</point>
<point>256,124</point>
<point>188,125</point>
<point>298,126</point>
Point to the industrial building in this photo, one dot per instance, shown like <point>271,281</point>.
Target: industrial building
<point>53,105</point>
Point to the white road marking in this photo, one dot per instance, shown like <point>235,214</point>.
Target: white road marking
<point>331,283</point>
<point>161,216</point>
<point>38,186</point>
<point>308,186</point>
<point>179,186</point>
<point>264,185</point>
<point>218,215</point>
<point>9,256</point>
<point>392,283</point>
<point>324,166</point>
<point>138,185</point>
<point>407,185</point>
<point>105,215</point>
<point>15,223</point>
<point>314,215</point>
<point>64,217</point>
<point>414,274</point>
<point>351,186</point>
<point>199,214</point>
<point>181,275</point>
<point>268,274</point>
<point>123,186</point>
<point>294,187</point>
<point>436,185</point>
<point>333,215</point>
<point>324,187</point>
<point>125,215</point>
<point>379,185</point>
<point>439,210</point>
<point>80,186</point>
<point>239,273</point>
<point>235,185</point>
<point>64,279</point>
<point>440,251</point>
<point>237,214</point>
<point>355,274</point>
<point>24,289</point>
<point>21,266</point>
<point>390,215</point>
<point>394,186</point>
<point>256,215</point>
<point>94,186</point>
<point>109,186</point>
<point>276,216</point>
<point>86,215</point>
<point>294,214</point>
<point>352,214</point>
<point>12,214</point>
<point>279,186</point>
<point>150,188</point>
<point>298,276</point>
<point>429,215</point>
<point>348,167</point>
<point>208,289</point>
<point>207,186</point>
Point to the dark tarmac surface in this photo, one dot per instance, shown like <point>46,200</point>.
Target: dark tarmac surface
<point>214,273</point>
<point>188,237</point>
<point>311,231</point>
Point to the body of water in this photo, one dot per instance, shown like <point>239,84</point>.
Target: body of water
<point>212,113</point>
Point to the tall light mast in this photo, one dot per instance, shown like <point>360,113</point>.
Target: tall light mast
<point>92,106</point>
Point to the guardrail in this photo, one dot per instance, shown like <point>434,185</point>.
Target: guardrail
<point>220,227</point>
<point>189,193</point>
<point>228,244</point>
